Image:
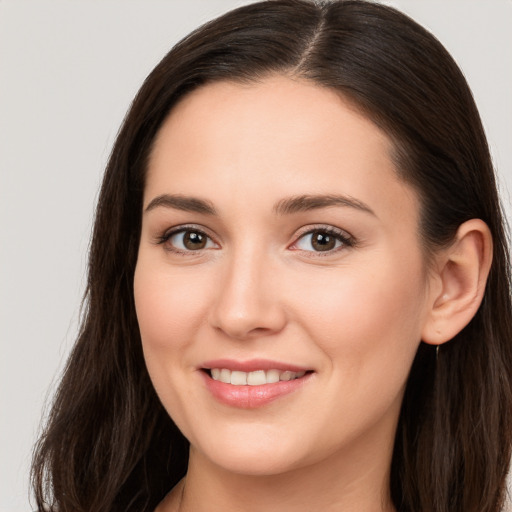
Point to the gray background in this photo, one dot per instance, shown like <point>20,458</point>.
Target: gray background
<point>68,71</point>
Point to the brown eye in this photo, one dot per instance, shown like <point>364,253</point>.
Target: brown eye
<point>186,240</point>
<point>193,240</point>
<point>323,240</point>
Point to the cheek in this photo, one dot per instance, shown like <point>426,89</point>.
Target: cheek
<point>368,324</point>
<point>169,312</point>
<point>366,319</point>
<point>168,309</point>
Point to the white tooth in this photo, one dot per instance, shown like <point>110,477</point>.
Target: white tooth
<point>238,378</point>
<point>225,376</point>
<point>272,376</point>
<point>287,375</point>
<point>256,378</point>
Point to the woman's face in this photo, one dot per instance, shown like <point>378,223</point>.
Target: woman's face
<point>277,239</point>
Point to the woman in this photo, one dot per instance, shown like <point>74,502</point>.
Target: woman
<point>299,290</point>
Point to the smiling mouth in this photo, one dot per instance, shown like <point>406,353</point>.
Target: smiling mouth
<point>254,378</point>
<point>252,384</point>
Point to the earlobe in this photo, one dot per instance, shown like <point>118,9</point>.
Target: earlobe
<point>462,271</point>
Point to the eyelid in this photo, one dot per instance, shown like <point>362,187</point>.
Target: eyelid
<point>347,240</point>
<point>170,232</point>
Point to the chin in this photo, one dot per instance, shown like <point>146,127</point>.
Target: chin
<point>252,455</point>
<point>254,463</point>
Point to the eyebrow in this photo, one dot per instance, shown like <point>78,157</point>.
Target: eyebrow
<point>285,206</point>
<point>312,202</point>
<point>185,203</point>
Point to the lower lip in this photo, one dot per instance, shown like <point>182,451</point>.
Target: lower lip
<point>251,397</point>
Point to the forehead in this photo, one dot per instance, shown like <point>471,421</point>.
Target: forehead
<point>277,112</point>
<point>277,137</point>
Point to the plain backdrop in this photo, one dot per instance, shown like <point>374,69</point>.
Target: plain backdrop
<point>68,71</point>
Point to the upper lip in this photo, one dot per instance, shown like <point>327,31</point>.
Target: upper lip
<point>252,365</point>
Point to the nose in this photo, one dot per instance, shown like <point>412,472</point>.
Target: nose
<point>248,302</point>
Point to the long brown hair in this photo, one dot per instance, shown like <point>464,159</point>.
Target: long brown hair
<point>110,446</point>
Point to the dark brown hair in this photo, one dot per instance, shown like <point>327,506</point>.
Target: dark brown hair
<point>110,446</point>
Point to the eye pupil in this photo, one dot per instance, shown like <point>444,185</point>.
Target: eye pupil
<point>194,240</point>
<point>322,241</point>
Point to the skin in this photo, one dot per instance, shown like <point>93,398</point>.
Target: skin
<point>354,315</point>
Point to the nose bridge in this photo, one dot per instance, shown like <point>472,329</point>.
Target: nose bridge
<point>247,304</point>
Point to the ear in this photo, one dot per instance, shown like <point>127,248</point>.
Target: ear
<point>458,283</point>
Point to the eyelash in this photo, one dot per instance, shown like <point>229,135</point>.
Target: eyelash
<point>182,229</point>
<point>345,240</point>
